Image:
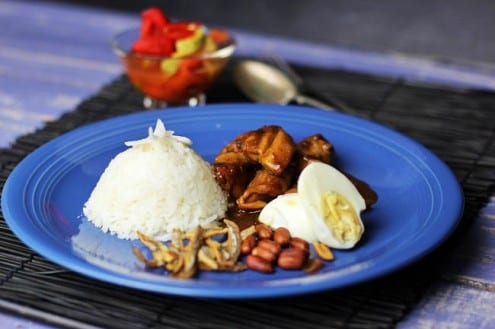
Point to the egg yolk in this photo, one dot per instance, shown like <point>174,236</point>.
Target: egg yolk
<point>340,216</point>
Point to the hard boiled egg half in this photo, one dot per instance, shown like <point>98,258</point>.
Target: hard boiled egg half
<point>326,208</point>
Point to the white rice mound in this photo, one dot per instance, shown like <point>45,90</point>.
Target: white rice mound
<point>155,186</point>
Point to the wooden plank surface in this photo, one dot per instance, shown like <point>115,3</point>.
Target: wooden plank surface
<point>465,297</point>
<point>473,262</point>
<point>50,61</point>
<point>53,56</point>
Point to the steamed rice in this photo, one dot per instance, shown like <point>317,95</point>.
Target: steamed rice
<point>156,185</point>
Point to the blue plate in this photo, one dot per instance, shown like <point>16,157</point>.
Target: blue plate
<point>420,200</point>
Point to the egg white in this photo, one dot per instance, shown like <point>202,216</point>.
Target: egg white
<point>287,211</point>
<point>316,180</point>
<point>302,213</point>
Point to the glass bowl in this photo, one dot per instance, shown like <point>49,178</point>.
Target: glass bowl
<point>166,80</point>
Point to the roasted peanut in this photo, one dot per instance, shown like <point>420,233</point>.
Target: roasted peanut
<point>323,251</point>
<point>263,231</point>
<point>257,263</point>
<point>264,253</point>
<point>248,244</point>
<point>281,236</point>
<point>312,265</point>
<point>292,259</point>
<point>271,245</point>
<point>299,243</point>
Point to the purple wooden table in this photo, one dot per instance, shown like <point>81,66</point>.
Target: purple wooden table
<point>52,56</point>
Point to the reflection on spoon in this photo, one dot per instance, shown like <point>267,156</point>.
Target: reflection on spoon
<point>266,84</point>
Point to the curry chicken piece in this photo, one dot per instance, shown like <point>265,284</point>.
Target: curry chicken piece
<point>264,187</point>
<point>233,155</point>
<point>261,164</point>
<point>313,148</point>
<point>269,146</point>
<point>253,167</point>
<point>233,178</point>
<point>310,149</point>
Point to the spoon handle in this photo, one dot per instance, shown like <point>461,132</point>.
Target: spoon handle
<point>306,100</point>
<point>336,106</point>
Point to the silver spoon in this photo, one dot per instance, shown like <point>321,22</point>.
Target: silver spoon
<point>263,83</point>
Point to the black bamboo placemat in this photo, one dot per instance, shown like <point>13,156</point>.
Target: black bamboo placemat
<point>457,124</point>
